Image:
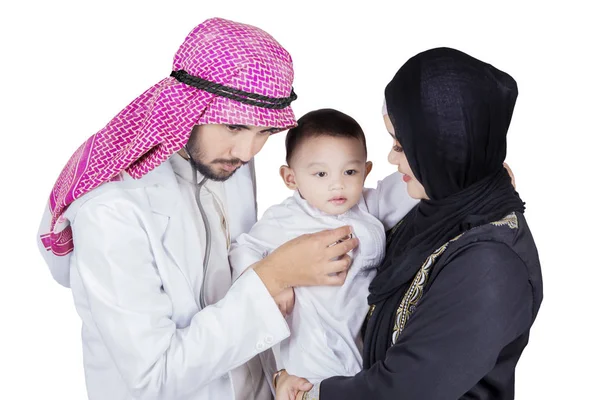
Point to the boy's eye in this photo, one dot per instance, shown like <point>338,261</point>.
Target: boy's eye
<point>321,174</point>
<point>351,172</point>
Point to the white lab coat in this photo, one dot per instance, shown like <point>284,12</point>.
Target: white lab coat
<point>325,322</point>
<point>135,275</point>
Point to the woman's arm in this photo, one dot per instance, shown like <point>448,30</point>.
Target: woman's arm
<point>480,302</point>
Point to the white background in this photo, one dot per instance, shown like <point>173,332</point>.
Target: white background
<point>68,67</point>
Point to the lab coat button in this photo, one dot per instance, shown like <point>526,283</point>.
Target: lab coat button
<point>260,346</point>
<point>268,339</point>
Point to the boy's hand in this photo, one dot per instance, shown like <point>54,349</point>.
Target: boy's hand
<point>285,301</point>
<point>290,387</point>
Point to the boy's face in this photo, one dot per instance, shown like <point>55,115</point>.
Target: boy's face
<point>329,172</point>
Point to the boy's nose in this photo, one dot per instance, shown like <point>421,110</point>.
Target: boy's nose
<point>336,185</point>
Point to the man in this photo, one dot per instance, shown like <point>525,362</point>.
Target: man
<point>140,220</point>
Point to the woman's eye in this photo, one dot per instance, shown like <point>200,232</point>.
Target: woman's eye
<point>398,148</point>
<point>351,172</point>
<point>321,174</point>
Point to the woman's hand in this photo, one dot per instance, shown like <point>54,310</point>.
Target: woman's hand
<point>290,387</point>
<point>510,173</point>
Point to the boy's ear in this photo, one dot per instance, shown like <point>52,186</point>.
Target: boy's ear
<point>287,174</point>
<point>368,168</point>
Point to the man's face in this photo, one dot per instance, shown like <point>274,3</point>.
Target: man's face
<point>219,150</point>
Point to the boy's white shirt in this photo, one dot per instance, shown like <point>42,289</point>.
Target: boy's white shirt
<point>326,321</point>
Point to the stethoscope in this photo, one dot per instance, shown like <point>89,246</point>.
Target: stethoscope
<point>198,187</point>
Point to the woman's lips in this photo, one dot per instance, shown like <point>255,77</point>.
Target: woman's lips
<point>406,178</point>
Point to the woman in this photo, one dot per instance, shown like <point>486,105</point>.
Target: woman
<point>460,287</point>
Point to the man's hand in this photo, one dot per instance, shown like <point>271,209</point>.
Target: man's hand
<point>308,260</point>
<point>290,387</point>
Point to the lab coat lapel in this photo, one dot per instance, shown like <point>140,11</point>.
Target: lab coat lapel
<point>164,200</point>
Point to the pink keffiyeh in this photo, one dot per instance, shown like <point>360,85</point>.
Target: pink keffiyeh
<point>246,78</point>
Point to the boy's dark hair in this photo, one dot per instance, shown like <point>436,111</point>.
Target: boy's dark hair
<point>323,122</point>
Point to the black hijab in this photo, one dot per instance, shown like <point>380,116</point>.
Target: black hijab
<point>450,113</point>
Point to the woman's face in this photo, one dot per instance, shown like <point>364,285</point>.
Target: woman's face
<point>397,157</point>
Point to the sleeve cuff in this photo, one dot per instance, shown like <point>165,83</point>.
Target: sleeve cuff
<point>264,309</point>
<point>242,257</point>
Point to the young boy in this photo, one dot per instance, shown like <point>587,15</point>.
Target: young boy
<point>326,167</point>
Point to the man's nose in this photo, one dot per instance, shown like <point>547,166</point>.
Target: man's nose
<point>243,148</point>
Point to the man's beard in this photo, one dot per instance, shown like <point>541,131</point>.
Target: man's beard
<point>209,172</point>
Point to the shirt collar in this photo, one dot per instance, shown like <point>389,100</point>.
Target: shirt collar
<point>183,169</point>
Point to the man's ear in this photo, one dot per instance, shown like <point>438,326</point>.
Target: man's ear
<point>368,168</point>
<point>287,174</point>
